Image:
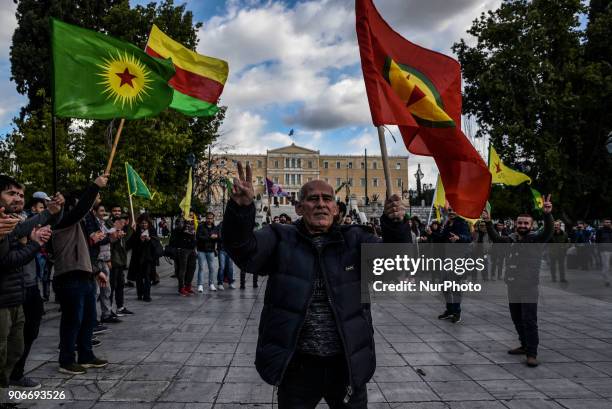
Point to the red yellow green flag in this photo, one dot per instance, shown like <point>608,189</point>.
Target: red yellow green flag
<point>199,80</point>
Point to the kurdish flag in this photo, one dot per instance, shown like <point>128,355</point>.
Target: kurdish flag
<point>99,77</point>
<point>538,200</point>
<point>502,174</point>
<point>199,79</point>
<point>136,186</point>
<point>420,91</point>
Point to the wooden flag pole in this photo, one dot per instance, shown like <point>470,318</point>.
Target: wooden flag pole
<point>114,150</point>
<point>385,159</point>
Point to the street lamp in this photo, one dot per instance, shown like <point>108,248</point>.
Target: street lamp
<point>419,175</point>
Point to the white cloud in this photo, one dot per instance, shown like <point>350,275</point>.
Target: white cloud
<point>299,55</point>
<point>8,23</point>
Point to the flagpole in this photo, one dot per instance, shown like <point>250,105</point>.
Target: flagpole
<point>54,154</point>
<point>433,201</point>
<point>385,159</point>
<point>127,178</point>
<point>114,150</point>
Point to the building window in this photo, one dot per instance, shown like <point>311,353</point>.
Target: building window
<point>350,165</point>
<point>398,165</point>
<point>293,163</point>
<point>299,179</point>
<point>275,179</point>
<point>299,163</point>
<point>362,165</point>
<point>338,181</point>
<point>363,182</point>
<point>326,165</point>
<point>350,181</point>
<point>260,164</point>
<point>275,164</point>
<point>309,179</point>
<point>374,165</point>
<point>259,180</point>
<point>400,184</point>
<point>309,164</point>
<point>337,165</point>
<point>375,181</point>
<point>293,179</point>
<point>287,179</point>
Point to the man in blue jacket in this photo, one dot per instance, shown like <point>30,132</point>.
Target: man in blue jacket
<point>315,336</point>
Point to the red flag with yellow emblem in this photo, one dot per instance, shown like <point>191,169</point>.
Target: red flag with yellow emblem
<point>420,91</point>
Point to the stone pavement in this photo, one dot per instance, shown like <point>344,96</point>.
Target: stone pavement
<point>198,352</point>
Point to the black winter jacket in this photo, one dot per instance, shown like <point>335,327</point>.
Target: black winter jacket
<point>204,242</point>
<point>11,272</point>
<point>287,254</point>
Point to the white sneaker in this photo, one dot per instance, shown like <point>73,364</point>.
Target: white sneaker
<point>232,286</point>
<point>200,288</point>
<point>213,288</point>
<point>220,287</point>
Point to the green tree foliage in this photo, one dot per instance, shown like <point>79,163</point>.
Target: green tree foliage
<point>157,148</point>
<point>539,84</point>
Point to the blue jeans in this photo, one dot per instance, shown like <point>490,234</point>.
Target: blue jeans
<point>77,297</point>
<point>206,258</point>
<point>225,262</point>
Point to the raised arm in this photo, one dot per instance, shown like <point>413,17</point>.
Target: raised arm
<point>493,235</point>
<point>546,233</point>
<point>394,230</point>
<point>85,203</point>
<point>250,250</point>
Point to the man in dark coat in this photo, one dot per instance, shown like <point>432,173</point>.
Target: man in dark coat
<point>315,336</point>
<point>523,276</point>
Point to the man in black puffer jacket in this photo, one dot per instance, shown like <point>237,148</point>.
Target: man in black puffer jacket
<point>315,336</point>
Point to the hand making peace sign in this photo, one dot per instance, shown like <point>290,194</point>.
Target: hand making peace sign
<point>242,191</point>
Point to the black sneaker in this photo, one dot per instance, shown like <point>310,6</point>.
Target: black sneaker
<point>124,311</point>
<point>96,363</point>
<point>110,320</point>
<point>25,383</point>
<point>444,316</point>
<point>73,369</point>
<point>100,329</point>
<point>95,342</point>
<point>456,318</point>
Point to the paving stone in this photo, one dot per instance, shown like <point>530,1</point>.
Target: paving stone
<point>485,372</point>
<point>202,373</point>
<point>511,389</point>
<point>245,393</point>
<point>460,390</point>
<point>442,373</point>
<point>561,388</point>
<point>189,391</point>
<point>143,391</point>
<point>407,392</point>
<point>153,372</point>
<point>396,374</point>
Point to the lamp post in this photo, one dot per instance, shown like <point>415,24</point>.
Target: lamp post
<point>419,175</point>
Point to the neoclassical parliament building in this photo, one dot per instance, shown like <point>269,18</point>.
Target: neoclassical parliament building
<point>292,166</point>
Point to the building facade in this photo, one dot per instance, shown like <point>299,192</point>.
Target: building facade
<point>292,166</point>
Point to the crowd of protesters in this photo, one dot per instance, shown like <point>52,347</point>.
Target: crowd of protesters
<point>74,247</point>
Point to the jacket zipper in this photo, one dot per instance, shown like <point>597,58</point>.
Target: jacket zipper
<point>349,388</point>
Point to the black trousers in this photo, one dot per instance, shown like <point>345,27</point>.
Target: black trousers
<point>117,284</point>
<point>525,319</point>
<point>309,379</point>
<point>557,261</point>
<point>143,280</point>
<point>243,278</point>
<point>33,310</point>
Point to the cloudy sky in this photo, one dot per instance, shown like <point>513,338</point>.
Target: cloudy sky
<point>293,65</point>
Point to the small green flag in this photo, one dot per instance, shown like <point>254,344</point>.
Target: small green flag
<point>538,200</point>
<point>136,186</point>
<point>99,77</point>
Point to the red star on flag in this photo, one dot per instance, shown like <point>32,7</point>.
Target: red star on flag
<point>126,77</point>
